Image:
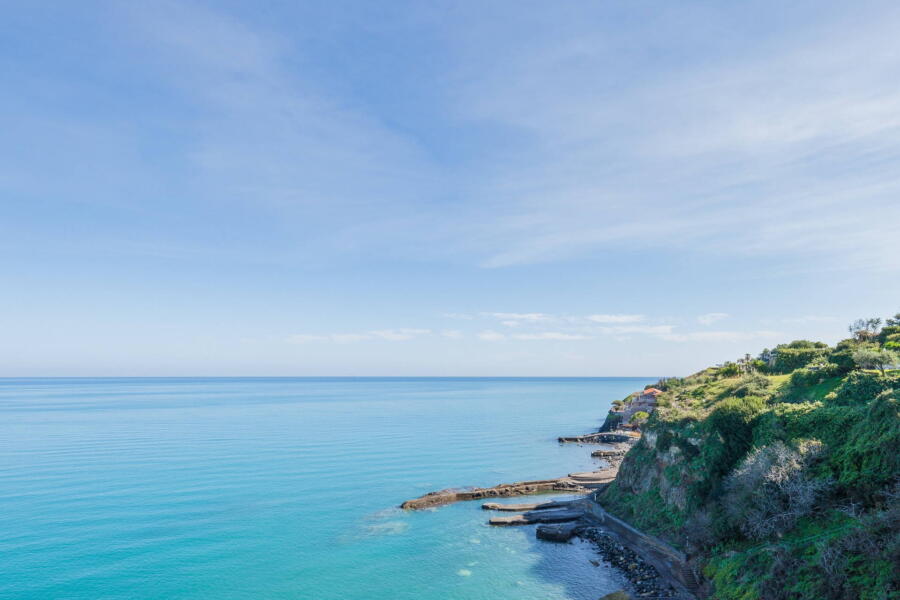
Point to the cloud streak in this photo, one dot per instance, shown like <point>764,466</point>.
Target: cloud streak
<point>710,318</point>
<point>389,335</point>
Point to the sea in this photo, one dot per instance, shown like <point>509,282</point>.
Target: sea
<point>287,488</point>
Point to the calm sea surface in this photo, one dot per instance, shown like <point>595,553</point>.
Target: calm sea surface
<point>285,488</point>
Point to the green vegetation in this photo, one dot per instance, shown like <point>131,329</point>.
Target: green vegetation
<point>780,473</point>
<point>640,417</point>
<point>875,358</point>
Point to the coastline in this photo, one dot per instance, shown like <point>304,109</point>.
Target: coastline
<point>653,569</point>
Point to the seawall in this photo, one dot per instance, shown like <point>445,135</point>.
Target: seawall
<point>671,563</point>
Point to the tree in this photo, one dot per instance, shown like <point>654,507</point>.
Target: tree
<point>873,358</point>
<point>864,329</point>
<point>893,321</point>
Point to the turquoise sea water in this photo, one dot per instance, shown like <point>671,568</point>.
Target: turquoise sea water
<point>285,488</point>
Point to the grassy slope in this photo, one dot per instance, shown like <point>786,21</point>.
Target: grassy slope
<point>706,425</point>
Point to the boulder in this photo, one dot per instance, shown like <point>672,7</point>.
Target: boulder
<point>556,533</point>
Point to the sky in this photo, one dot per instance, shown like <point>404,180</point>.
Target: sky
<point>441,188</point>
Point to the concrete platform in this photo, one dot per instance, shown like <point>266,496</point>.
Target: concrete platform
<point>538,516</point>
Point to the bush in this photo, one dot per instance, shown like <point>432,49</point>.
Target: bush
<point>731,423</point>
<point>640,417</point>
<point>859,388</point>
<point>866,455</point>
<point>752,385</point>
<point>863,440</point>
<point>770,490</point>
<point>842,356</point>
<point>889,332</point>
<point>813,374</point>
<point>863,561</point>
<point>797,354</point>
<point>729,369</point>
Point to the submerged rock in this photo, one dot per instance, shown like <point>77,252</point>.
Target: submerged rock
<point>556,533</point>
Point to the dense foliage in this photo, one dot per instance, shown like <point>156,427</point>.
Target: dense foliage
<point>779,474</point>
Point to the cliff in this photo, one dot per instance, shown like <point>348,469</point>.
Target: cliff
<point>779,475</point>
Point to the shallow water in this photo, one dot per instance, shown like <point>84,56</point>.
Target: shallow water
<point>285,488</point>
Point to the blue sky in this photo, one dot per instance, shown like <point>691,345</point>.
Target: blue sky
<point>482,188</point>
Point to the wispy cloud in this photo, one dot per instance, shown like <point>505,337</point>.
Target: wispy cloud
<point>720,336</point>
<point>710,318</point>
<point>636,329</point>
<point>715,165</point>
<point>615,318</point>
<point>460,316</point>
<point>550,335</point>
<point>810,319</point>
<point>509,316</point>
<point>489,335</point>
<point>399,335</point>
<point>390,335</point>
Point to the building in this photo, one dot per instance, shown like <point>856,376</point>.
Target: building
<point>643,401</point>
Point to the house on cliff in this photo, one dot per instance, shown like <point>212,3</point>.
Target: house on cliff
<point>643,401</point>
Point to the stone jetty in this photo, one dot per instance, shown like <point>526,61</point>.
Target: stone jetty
<point>574,483</point>
<point>525,507</point>
<point>504,490</point>
<point>540,516</point>
<point>603,437</point>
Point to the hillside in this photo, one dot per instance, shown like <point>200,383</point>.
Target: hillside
<point>779,474</point>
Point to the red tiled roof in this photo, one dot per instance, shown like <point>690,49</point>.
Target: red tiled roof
<point>652,391</point>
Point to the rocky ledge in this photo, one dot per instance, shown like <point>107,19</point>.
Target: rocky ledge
<point>504,490</point>
<point>573,483</point>
<point>602,437</point>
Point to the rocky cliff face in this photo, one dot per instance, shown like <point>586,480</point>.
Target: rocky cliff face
<point>662,464</point>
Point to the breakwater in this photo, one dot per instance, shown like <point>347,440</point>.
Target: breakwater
<point>574,483</point>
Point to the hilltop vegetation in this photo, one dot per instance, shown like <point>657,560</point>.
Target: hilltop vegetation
<point>779,473</point>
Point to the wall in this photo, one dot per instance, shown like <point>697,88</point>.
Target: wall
<point>672,564</point>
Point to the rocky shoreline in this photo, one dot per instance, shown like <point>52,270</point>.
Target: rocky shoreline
<point>572,518</point>
<point>644,578</point>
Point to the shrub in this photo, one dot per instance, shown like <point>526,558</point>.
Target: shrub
<point>842,355</point>
<point>731,422</point>
<point>797,354</point>
<point>640,417</point>
<point>809,376</point>
<point>729,369</point>
<point>866,452</point>
<point>888,333</point>
<point>859,388</point>
<point>752,385</point>
<point>863,561</point>
<point>770,490</point>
